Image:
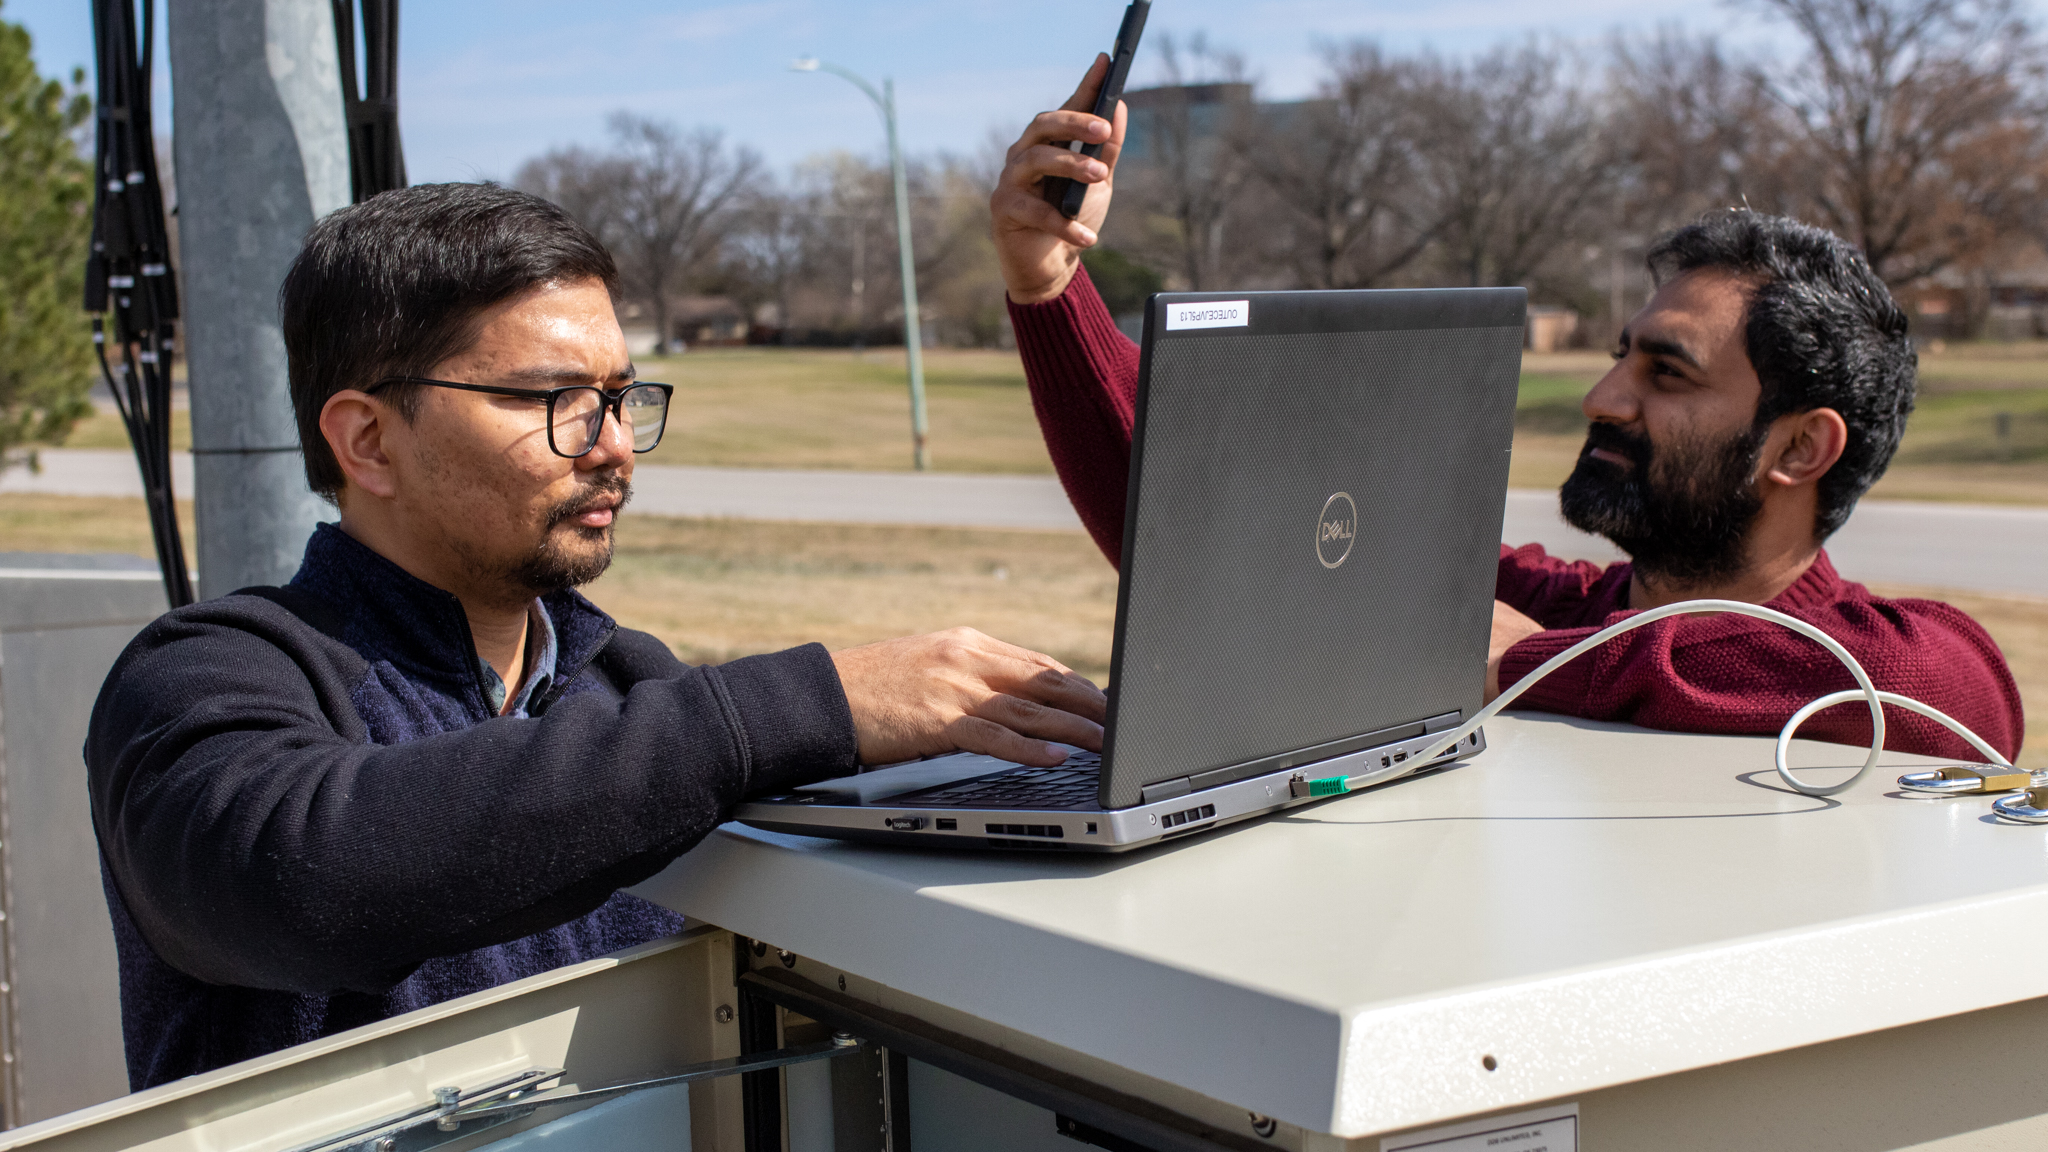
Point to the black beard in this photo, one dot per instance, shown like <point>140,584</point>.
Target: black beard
<point>1682,513</point>
<point>552,567</point>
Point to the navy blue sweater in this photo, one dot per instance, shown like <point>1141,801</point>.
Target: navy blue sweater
<point>310,819</point>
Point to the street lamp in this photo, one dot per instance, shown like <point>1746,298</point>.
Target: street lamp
<point>885,102</point>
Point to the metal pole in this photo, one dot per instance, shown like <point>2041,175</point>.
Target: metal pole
<point>262,152</point>
<point>913,343</point>
<point>913,330</point>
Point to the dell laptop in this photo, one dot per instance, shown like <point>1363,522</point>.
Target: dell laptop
<point>1310,543</point>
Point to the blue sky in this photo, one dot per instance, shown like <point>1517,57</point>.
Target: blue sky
<point>484,85</point>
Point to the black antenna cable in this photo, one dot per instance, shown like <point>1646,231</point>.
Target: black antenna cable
<point>128,272</point>
<point>376,162</point>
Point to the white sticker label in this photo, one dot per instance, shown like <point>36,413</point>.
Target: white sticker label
<point>1554,1129</point>
<point>1209,314</point>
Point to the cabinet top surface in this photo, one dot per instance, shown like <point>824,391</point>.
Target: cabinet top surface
<point>1587,903</point>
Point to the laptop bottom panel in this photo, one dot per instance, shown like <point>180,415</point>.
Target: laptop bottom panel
<point>857,808</point>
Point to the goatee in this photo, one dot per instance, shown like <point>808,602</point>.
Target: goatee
<point>1682,512</point>
<point>557,562</point>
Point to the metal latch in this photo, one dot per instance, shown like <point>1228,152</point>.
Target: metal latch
<point>2028,807</point>
<point>1969,779</point>
<point>459,1112</point>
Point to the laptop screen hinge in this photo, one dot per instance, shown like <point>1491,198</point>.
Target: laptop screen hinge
<point>1165,790</point>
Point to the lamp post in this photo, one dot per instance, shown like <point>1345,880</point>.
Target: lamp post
<point>885,102</point>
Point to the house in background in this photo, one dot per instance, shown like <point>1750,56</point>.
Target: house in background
<point>2009,303</point>
<point>694,321</point>
<point>1550,329</point>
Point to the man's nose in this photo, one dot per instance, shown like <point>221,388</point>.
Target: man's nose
<point>614,445</point>
<point>1613,400</point>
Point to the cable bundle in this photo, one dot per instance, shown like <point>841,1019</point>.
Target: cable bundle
<point>129,269</point>
<point>1864,691</point>
<point>375,161</point>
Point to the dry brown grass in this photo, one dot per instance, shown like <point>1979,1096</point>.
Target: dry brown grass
<point>82,524</point>
<point>833,409</point>
<point>718,589</point>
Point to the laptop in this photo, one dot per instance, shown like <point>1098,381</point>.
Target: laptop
<point>1311,538</point>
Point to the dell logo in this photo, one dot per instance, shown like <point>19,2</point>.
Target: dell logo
<point>1336,529</point>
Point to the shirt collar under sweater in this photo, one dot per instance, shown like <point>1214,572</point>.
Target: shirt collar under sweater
<point>389,615</point>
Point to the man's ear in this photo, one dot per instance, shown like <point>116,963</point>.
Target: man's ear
<point>355,425</point>
<point>1812,440</point>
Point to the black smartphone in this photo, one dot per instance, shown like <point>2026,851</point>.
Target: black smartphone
<point>1066,194</point>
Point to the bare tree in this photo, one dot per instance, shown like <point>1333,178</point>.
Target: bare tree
<point>661,200</point>
<point>1344,165</point>
<point>1920,123</point>
<point>1517,161</point>
<point>775,232</point>
<point>1699,131</point>
<point>1188,171</point>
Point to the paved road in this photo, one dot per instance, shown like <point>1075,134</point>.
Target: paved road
<point>1985,549</point>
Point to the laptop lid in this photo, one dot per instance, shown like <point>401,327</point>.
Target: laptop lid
<point>1312,529</point>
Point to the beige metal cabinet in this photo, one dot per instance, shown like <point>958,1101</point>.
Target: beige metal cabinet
<point>61,626</point>
<point>1637,939</point>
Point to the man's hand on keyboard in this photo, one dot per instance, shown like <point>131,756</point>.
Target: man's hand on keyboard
<point>960,690</point>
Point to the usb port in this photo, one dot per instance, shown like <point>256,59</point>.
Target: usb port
<point>946,825</point>
<point>1400,756</point>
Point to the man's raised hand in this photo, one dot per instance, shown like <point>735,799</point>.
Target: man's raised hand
<point>1037,247</point>
<point>962,690</point>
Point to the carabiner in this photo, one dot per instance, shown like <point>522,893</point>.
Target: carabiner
<point>1970,779</point>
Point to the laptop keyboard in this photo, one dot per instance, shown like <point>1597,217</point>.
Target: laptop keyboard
<point>1071,785</point>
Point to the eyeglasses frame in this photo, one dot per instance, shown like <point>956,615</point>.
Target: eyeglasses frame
<point>611,402</point>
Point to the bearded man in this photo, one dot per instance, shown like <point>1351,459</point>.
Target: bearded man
<point>1752,402</point>
<point>427,765</point>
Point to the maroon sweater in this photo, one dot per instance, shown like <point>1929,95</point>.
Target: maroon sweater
<point>1689,674</point>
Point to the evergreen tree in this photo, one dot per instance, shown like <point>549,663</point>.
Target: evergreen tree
<point>46,360</point>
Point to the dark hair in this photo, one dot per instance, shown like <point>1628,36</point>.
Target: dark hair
<point>1822,332</point>
<point>399,283</point>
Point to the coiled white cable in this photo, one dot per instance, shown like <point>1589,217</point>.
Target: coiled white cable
<point>1864,690</point>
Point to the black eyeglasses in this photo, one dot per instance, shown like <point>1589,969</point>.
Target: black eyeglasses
<point>576,413</point>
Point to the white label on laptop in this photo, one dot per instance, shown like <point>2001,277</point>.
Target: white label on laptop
<point>1209,314</point>
<point>1553,1129</point>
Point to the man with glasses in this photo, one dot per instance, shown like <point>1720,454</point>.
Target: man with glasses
<point>427,765</point>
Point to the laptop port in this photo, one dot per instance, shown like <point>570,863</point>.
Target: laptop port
<point>906,823</point>
<point>1046,831</point>
<point>946,825</point>
<point>1400,756</point>
<point>1386,761</point>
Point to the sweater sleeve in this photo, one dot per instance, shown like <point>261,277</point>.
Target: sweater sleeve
<point>1736,674</point>
<point>1083,374</point>
<point>258,840</point>
<point>1547,589</point>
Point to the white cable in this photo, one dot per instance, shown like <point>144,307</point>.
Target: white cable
<point>1864,690</point>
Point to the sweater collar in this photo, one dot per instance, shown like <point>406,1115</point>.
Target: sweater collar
<point>1819,585</point>
<point>390,614</point>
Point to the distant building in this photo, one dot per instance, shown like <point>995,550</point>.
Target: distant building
<point>708,321</point>
<point>2010,303</point>
<point>1550,329</point>
<point>1208,108</point>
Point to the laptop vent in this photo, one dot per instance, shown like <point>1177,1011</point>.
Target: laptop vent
<point>1049,831</point>
<point>1179,818</point>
